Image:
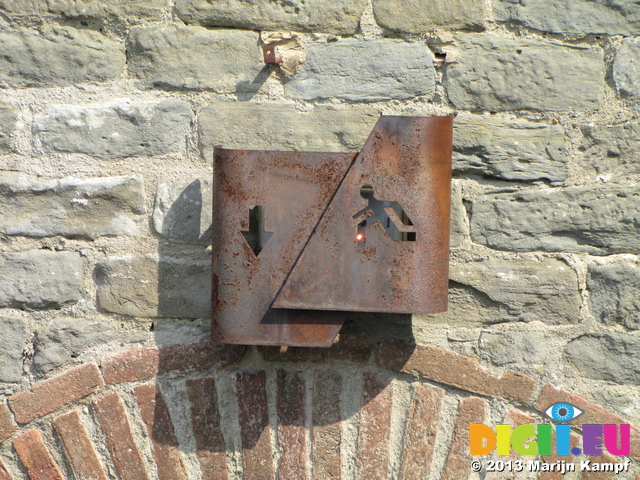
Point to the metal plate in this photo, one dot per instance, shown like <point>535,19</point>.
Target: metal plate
<point>294,189</point>
<point>308,267</point>
<point>406,160</point>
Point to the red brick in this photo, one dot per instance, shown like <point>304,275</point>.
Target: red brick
<point>326,433</point>
<point>113,420</point>
<point>164,444</point>
<point>4,474</point>
<point>77,447</point>
<point>205,418</point>
<point>198,356</point>
<point>253,418</point>
<point>35,457</point>
<point>347,348</point>
<point>291,425</point>
<point>458,465</point>
<point>352,348</point>
<point>449,368</point>
<point>132,366</point>
<point>145,363</point>
<point>326,430</point>
<point>48,396</point>
<point>516,386</point>
<point>375,427</point>
<point>422,428</point>
<point>516,418</point>
<point>7,425</point>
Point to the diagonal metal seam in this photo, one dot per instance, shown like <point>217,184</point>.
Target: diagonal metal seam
<point>385,275</point>
<point>315,227</point>
<point>295,306</point>
<point>261,324</point>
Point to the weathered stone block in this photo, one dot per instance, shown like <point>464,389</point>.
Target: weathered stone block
<point>183,210</point>
<point>494,73</point>
<point>612,357</point>
<point>57,56</point>
<point>504,348</point>
<point>572,16</point>
<point>459,221</point>
<point>8,120</point>
<point>149,286</point>
<point>587,219</point>
<point>318,16</point>
<point>120,10</point>
<point>613,148</point>
<point>195,58</point>
<point>64,339</point>
<point>364,70</point>
<point>496,291</point>
<point>626,67</point>
<point>40,279</point>
<point>419,16</point>
<point>167,331</point>
<point>115,130</point>
<point>72,207</point>
<point>509,149</point>
<point>279,126</point>
<point>614,293</point>
<point>15,332</point>
<point>514,287</point>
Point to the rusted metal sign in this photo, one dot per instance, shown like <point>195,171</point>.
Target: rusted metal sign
<point>302,238</point>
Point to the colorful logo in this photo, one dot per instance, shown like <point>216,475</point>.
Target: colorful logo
<point>532,440</point>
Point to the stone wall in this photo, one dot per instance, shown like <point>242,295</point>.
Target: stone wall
<point>109,112</point>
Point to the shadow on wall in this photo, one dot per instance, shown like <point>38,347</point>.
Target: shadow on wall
<point>184,268</point>
<point>244,389</point>
<point>246,90</point>
<point>184,217</point>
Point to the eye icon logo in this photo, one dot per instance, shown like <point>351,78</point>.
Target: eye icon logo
<point>563,412</point>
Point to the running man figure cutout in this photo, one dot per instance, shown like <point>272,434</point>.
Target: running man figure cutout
<point>389,214</point>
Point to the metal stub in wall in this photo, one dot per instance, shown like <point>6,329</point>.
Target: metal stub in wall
<point>283,49</point>
<point>270,55</point>
<point>302,238</point>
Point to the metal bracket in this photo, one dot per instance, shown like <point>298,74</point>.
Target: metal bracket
<point>270,54</point>
<point>344,232</point>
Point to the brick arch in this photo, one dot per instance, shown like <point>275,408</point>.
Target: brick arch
<point>356,410</point>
